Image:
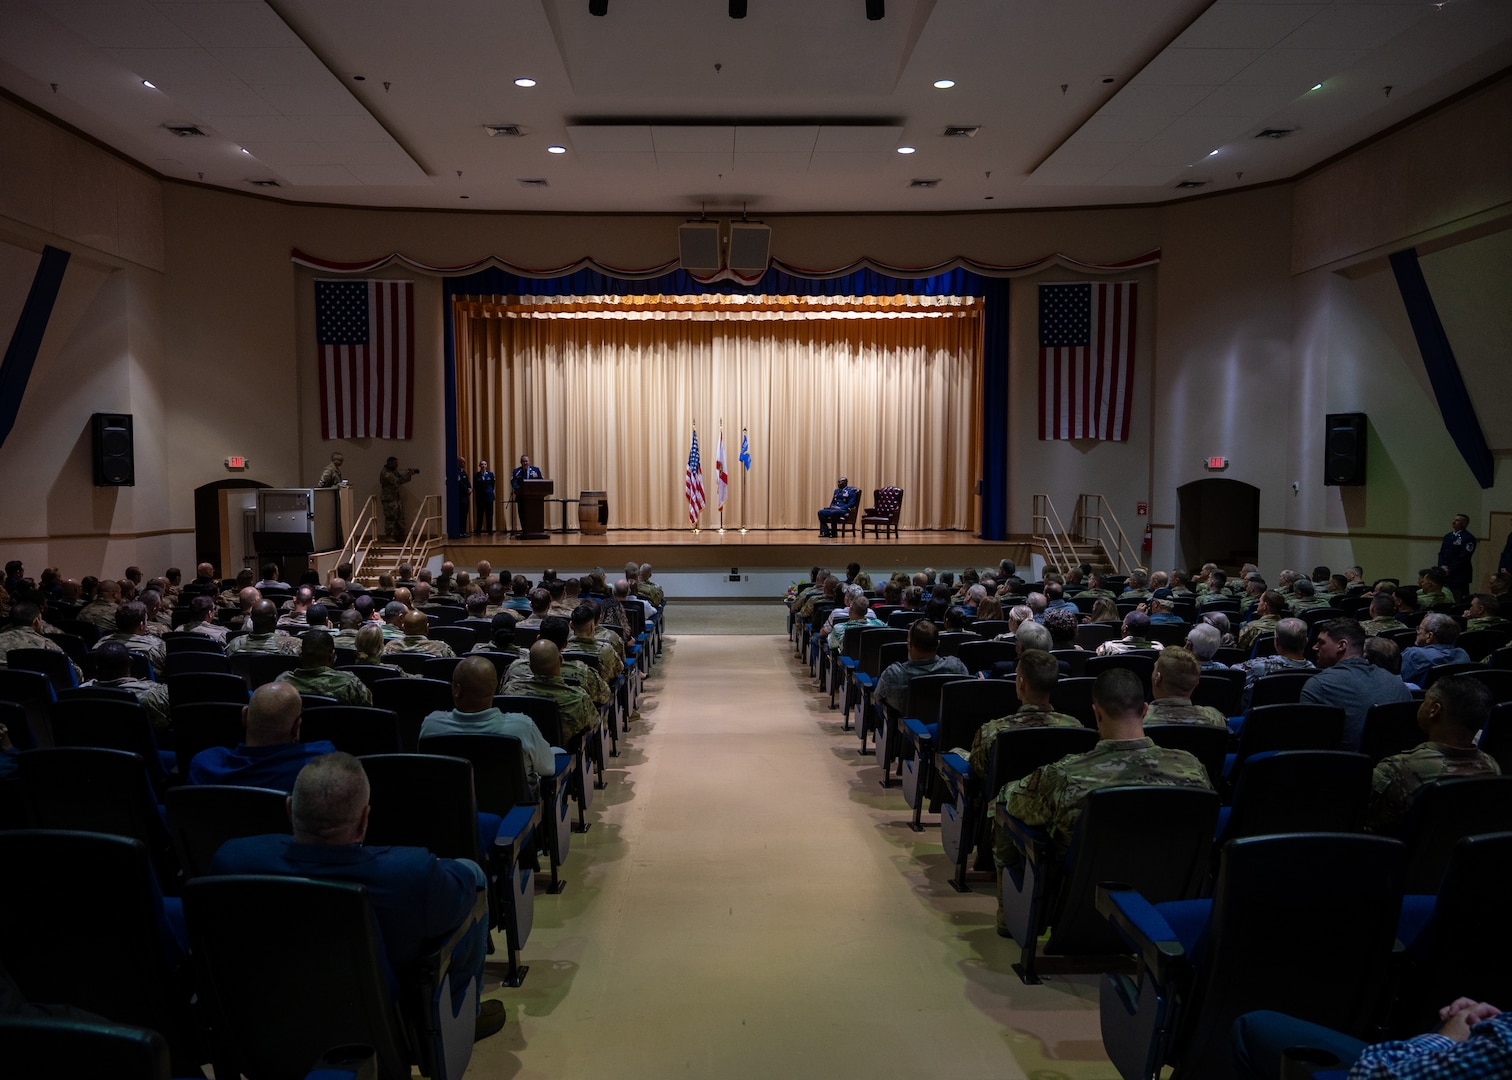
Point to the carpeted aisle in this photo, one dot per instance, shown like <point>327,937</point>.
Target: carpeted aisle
<point>749,902</point>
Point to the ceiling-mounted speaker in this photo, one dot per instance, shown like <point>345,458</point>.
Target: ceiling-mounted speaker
<point>875,9</point>
<point>698,247</point>
<point>750,247</point>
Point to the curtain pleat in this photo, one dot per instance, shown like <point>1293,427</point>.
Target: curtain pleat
<point>603,393</point>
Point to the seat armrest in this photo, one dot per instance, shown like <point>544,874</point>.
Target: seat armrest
<point>956,769</point>
<point>434,963</point>
<point>1144,928</point>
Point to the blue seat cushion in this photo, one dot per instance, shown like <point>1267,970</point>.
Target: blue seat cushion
<point>1188,920</point>
<point>516,824</point>
<point>921,731</point>
<point>564,763</point>
<point>1417,910</point>
<point>957,764</point>
<point>488,828</point>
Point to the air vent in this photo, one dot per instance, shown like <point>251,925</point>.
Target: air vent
<point>1188,185</point>
<point>925,183</point>
<point>533,182</point>
<point>509,130</point>
<point>264,183</point>
<point>1275,133</point>
<point>186,131</point>
<point>961,131</point>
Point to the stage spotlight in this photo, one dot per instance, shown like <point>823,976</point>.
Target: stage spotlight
<point>874,9</point>
<point>598,7</point>
<point>737,9</point>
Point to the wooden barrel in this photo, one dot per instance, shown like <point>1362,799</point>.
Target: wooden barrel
<point>593,512</point>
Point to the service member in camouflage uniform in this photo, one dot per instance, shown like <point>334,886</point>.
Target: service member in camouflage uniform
<point>264,637</point>
<point>416,638</point>
<point>1382,615</point>
<point>1484,613</point>
<point>389,480</point>
<point>557,630</point>
<point>25,632</point>
<point>1034,679</point>
<point>113,669</point>
<point>1454,709</point>
<point>1271,610</point>
<point>130,618</point>
<point>1305,597</point>
<point>1290,655</point>
<point>330,476</point>
<point>1136,635</point>
<point>1172,684</point>
<point>102,609</point>
<point>1053,795</point>
<point>585,639</point>
<point>316,675</point>
<point>542,677</point>
<point>1432,589</point>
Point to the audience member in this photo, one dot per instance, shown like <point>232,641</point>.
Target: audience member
<point>416,638</point>
<point>1268,612</point>
<point>264,637</point>
<point>271,755</point>
<point>1034,680</point>
<point>1290,655</point>
<point>542,677</point>
<point>474,682</point>
<point>1136,635</point>
<point>1349,681</point>
<point>112,662</point>
<point>25,632</point>
<point>923,645</point>
<point>1172,683</point>
<point>317,675</point>
<point>129,620</point>
<point>1203,641</point>
<point>1434,647</point>
<point>1382,614</point>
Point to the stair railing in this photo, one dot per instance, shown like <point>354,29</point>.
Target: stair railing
<point>1096,523</point>
<point>1050,534</point>
<point>361,537</point>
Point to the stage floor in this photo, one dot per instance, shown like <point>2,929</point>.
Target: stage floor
<point>686,550</point>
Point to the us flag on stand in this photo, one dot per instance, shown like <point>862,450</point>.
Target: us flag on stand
<point>1086,354</point>
<point>693,483</point>
<point>366,335</point>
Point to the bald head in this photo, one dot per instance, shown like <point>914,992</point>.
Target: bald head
<point>416,624</point>
<point>474,681</point>
<point>272,716</point>
<point>264,617</point>
<point>545,659</point>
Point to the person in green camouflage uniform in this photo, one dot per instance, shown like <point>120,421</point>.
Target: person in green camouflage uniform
<point>1305,597</point>
<point>1033,680</point>
<point>102,609</point>
<point>1484,613</point>
<point>1172,684</point>
<point>556,629</point>
<point>1382,607</point>
<point>1271,610</point>
<point>1433,589</point>
<point>25,632</point>
<point>416,638</point>
<point>542,677</point>
<point>1453,710</point>
<point>315,675</point>
<point>113,669</point>
<point>585,639</point>
<point>1053,795</point>
<point>389,479</point>
<point>131,617</point>
<point>264,637</point>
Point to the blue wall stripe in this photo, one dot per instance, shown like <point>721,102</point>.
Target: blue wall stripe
<point>26,341</point>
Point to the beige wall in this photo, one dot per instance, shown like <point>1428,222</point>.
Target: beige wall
<point>182,306</point>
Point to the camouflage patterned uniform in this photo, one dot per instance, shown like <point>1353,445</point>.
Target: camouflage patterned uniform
<point>152,696</point>
<point>1490,622</point>
<point>1396,779</point>
<point>1027,716</point>
<point>263,643</point>
<point>1265,624</point>
<point>610,665</point>
<point>576,673</point>
<point>1053,795</point>
<point>1372,627</point>
<point>605,636</point>
<point>1173,710</point>
<point>418,643</point>
<point>389,479</point>
<point>153,648</point>
<point>648,590</point>
<point>1426,599</point>
<point>341,685</point>
<point>576,709</point>
<point>101,613</point>
<point>24,637</point>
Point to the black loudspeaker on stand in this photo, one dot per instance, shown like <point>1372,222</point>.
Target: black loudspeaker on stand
<point>114,464</point>
<point>1344,450</point>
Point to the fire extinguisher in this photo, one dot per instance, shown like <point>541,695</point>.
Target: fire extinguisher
<point>1149,541</point>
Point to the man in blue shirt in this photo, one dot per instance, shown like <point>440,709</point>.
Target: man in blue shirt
<point>483,494</point>
<point>417,898</point>
<point>1435,645</point>
<point>1455,554</point>
<point>1348,680</point>
<point>272,754</point>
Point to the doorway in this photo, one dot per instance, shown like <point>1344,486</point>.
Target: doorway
<point>1219,521</point>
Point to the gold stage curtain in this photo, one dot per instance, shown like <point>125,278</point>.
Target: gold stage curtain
<point>603,392</point>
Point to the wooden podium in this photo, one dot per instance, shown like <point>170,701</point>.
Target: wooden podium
<point>532,499</point>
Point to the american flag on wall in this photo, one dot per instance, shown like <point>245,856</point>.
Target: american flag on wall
<point>365,331</point>
<point>1086,354</point>
<point>693,483</point>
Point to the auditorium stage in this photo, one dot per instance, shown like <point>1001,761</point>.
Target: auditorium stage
<point>732,564</point>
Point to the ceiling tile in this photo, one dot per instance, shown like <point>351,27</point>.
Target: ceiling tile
<point>1356,26</point>
<point>610,138</point>
<point>388,175</point>
<point>627,163</point>
<point>1054,175</point>
<point>249,25</point>
<point>854,138</point>
<point>1239,26</point>
<point>1127,175</point>
<point>329,100</point>
<point>286,153</point>
<point>1087,152</point>
<point>318,175</point>
<point>778,138</point>
<point>1140,99</point>
<point>1234,99</point>
<point>780,162</point>
<point>1196,67</point>
<point>1106,128</point>
<point>691,139</point>
<point>275,67</point>
<point>120,24</point>
<point>851,162</point>
<point>694,162</point>
<point>1296,69</point>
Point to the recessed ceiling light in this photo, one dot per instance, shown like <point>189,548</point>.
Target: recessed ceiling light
<point>1211,153</point>
<point>524,81</point>
<point>148,85</point>
<point>944,84</point>
<point>905,149</point>
<point>556,149</point>
<point>245,150</point>
<point>1318,87</point>
<point>464,196</point>
<point>359,78</point>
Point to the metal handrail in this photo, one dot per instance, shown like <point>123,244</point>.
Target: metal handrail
<point>1049,532</point>
<point>418,542</point>
<point>1092,515</point>
<point>361,536</point>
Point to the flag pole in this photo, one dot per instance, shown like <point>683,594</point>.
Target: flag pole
<point>745,471</point>
<point>719,464</point>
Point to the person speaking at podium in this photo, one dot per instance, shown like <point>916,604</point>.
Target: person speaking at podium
<point>524,471</point>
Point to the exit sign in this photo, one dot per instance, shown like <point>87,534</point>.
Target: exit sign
<point>236,461</point>
<point>1217,462</point>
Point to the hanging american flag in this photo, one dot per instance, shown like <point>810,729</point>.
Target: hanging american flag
<point>693,483</point>
<point>723,486</point>
<point>1086,354</point>
<point>366,334</point>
